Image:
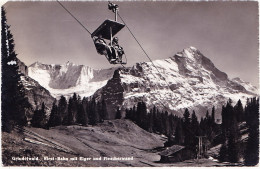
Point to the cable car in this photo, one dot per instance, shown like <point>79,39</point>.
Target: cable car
<point>105,41</point>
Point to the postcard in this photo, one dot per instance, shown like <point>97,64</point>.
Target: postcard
<point>130,83</point>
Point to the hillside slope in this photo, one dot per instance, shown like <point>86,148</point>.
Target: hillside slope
<point>116,138</point>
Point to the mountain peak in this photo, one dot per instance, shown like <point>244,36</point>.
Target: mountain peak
<point>193,48</point>
<point>35,64</point>
<point>189,53</point>
<point>190,49</point>
<point>68,63</point>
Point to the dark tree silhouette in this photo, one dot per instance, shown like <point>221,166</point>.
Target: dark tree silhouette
<point>93,113</point>
<point>223,153</point>
<point>103,111</point>
<point>72,110</point>
<point>187,127</point>
<point>213,115</point>
<point>252,120</point>
<point>179,133</point>
<point>194,123</point>
<point>39,118</point>
<point>55,117</point>
<point>14,103</point>
<point>82,115</point>
<point>239,111</point>
<point>230,134</point>
<point>118,114</point>
<point>63,109</point>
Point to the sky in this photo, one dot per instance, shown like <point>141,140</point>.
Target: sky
<point>225,32</point>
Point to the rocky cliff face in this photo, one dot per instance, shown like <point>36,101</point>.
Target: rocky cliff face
<point>22,67</point>
<point>69,78</point>
<point>186,80</point>
<point>112,93</point>
<point>35,93</point>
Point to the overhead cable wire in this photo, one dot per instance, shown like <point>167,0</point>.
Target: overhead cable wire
<point>74,17</point>
<point>131,34</point>
<point>144,51</point>
<point>150,61</point>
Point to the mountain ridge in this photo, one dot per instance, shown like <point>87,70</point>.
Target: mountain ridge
<point>188,79</point>
<point>69,78</point>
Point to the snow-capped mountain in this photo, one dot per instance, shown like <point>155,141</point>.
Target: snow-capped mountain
<point>69,78</point>
<point>186,80</point>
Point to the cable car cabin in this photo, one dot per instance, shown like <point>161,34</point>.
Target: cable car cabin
<point>106,31</point>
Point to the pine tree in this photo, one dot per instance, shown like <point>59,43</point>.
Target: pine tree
<point>118,114</point>
<point>233,144</point>
<point>39,118</point>
<point>55,116</point>
<point>230,134</point>
<point>85,109</point>
<point>72,110</point>
<point>162,122</point>
<point>139,113</point>
<point>194,122</point>
<point>239,111</point>
<point>186,117</point>
<point>227,117</point>
<point>252,146</point>
<point>14,103</point>
<point>155,125</point>
<point>223,153</point>
<point>224,122</point>
<point>179,133</point>
<point>187,127</point>
<point>128,114</point>
<point>150,122</point>
<point>172,124</point>
<point>63,110</point>
<point>194,128</point>
<point>93,114</point>
<point>208,118</point>
<point>82,115</point>
<point>166,124</point>
<point>104,113</point>
<point>213,115</point>
<point>100,112</point>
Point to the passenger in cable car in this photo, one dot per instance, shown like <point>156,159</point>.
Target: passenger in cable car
<point>103,48</point>
<point>119,51</point>
<point>101,45</point>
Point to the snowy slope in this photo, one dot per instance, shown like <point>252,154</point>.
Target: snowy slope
<point>69,78</point>
<point>249,87</point>
<point>186,80</point>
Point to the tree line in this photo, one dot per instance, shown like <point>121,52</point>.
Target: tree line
<point>76,111</point>
<point>185,130</point>
<point>179,130</point>
<point>233,149</point>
